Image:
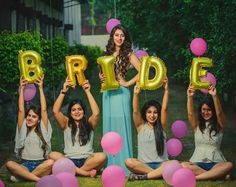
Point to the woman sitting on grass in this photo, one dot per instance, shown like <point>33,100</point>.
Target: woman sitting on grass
<point>151,125</point>
<point>207,161</point>
<point>78,132</point>
<point>33,135</point>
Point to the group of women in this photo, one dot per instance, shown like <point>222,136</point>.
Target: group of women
<point>34,130</point>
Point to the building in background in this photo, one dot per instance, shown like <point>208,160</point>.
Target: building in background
<point>66,18</point>
<point>92,35</point>
<point>44,16</point>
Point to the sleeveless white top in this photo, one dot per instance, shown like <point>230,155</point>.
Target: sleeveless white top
<point>207,149</point>
<point>147,146</point>
<point>31,142</point>
<point>77,151</point>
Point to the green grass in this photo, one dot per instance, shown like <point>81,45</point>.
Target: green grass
<point>177,110</point>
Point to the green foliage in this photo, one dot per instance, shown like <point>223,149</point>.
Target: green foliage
<point>10,45</point>
<point>166,29</point>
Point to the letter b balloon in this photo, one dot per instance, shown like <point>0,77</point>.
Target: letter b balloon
<point>29,65</point>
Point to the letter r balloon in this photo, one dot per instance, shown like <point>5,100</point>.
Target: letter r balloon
<point>75,66</point>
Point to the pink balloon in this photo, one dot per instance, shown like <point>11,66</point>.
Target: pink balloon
<point>2,183</point>
<point>63,165</point>
<point>169,169</point>
<point>198,46</point>
<point>184,177</point>
<point>67,179</point>
<point>174,147</point>
<point>49,181</point>
<point>179,129</point>
<point>29,92</point>
<point>112,142</point>
<point>113,176</point>
<point>140,53</point>
<point>208,78</point>
<point>111,23</point>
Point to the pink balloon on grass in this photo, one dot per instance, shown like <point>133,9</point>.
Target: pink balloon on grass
<point>169,169</point>
<point>179,129</point>
<point>208,78</point>
<point>140,53</point>
<point>198,46</point>
<point>67,179</point>
<point>49,181</point>
<point>29,92</point>
<point>113,176</point>
<point>112,142</point>
<point>63,165</point>
<point>184,177</point>
<point>111,23</point>
<point>174,147</point>
<point>2,183</point>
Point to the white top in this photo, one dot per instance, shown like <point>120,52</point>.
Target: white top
<point>77,151</point>
<point>147,146</point>
<point>207,149</point>
<point>31,142</point>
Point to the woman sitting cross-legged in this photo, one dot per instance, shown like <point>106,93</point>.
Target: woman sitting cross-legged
<point>79,132</point>
<point>150,125</point>
<point>207,161</point>
<point>32,141</point>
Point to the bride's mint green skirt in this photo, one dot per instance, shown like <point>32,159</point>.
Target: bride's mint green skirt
<point>117,117</point>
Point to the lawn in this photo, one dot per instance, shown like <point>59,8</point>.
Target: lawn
<point>177,111</point>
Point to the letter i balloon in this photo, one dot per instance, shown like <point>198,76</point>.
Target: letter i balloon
<point>107,64</point>
<point>30,65</point>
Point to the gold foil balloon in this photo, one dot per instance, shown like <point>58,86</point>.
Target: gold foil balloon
<point>30,65</point>
<point>160,72</point>
<point>107,65</point>
<point>75,66</point>
<point>196,72</point>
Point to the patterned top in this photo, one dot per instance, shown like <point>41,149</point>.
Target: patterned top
<point>147,146</point>
<point>207,149</point>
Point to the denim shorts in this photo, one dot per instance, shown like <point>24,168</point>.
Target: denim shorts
<point>32,164</point>
<point>206,165</point>
<point>154,165</point>
<point>79,162</point>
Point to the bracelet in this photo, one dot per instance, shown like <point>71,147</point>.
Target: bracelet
<point>63,92</point>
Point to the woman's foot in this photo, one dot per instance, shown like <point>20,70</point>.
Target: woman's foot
<point>133,177</point>
<point>93,173</point>
<point>227,177</point>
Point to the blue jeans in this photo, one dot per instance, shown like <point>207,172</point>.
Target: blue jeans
<point>206,165</point>
<point>32,164</point>
<point>79,162</point>
<point>154,165</point>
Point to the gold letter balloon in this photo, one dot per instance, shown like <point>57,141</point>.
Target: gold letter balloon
<point>107,65</point>
<point>196,72</point>
<point>160,72</point>
<point>75,66</point>
<point>29,65</point>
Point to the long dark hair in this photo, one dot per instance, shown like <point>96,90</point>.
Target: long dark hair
<point>214,125</point>
<point>36,110</point>
<point>158,130</point>
<point>84,127</point>
<point>123,58</point>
